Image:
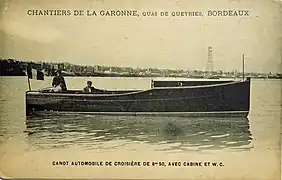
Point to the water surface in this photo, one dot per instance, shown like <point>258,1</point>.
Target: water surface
<point>248,147</point>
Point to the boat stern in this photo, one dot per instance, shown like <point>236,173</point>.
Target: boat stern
<point>31,106</point>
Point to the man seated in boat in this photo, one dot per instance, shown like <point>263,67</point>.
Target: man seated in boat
<point>59,81</point>
<point>89,88</point>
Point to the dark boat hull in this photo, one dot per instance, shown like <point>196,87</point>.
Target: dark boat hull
<point>227,99</point>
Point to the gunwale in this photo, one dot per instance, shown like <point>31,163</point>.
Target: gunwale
<point>130,93</point>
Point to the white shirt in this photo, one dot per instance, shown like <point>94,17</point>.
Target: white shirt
<point>57,89</point>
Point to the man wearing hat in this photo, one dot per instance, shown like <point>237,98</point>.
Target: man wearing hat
<point>59,80</point>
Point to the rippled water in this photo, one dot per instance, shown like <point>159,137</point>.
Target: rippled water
<point>165,133</point>
<point>254,140</point>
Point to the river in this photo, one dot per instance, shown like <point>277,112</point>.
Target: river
<point>243,148</point>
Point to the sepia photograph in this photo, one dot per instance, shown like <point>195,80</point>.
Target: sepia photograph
<point>143,89</point>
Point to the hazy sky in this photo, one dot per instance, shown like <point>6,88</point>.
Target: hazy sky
<point>158,42</point>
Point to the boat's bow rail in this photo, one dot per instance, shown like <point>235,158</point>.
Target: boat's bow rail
<point>96,91</point>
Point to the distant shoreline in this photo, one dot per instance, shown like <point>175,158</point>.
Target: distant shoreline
<point>265,78</point>
<point>12,67</point>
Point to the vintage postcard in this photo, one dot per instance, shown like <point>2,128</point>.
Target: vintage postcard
<point>140,89</point>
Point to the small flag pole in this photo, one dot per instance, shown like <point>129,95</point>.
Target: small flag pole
<point>243,68</point>
<point>28,78</point>
<point>28,83</point>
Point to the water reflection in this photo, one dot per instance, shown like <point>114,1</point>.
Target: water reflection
<point>162,133</point>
